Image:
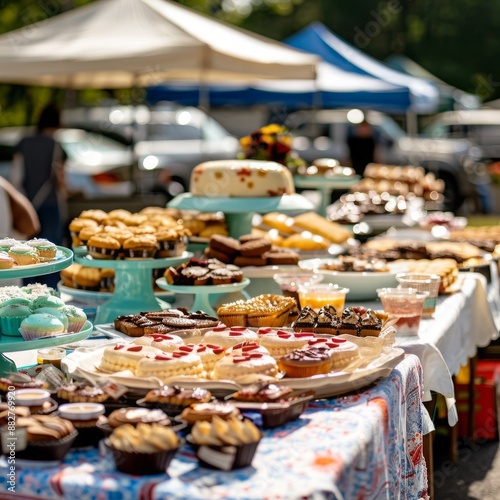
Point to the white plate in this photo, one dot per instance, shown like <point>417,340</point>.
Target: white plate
<point>362,285</point>
<point>84,363</point>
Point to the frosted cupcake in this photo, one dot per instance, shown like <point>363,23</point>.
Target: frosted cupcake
<point>22,301</point>
<point>11,317</point>
<point>6,261</point>
<point>45,249</point>
<point>23,254</point>
<point>57,313</point>
<point>76,318</point>
<point>40,325</point>
<point>48,301</point>
<point>7,243</point>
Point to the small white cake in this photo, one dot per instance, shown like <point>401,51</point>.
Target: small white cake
<point>241,179</point>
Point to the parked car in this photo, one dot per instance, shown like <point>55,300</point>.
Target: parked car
<point>324,133</point>
<point>481,126</point>
<point>168,140</point>
<point>96,165</point>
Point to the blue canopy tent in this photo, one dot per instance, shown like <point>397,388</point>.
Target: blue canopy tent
<point>362,82</point>
<point>318,39</point>
<point>333,88</point>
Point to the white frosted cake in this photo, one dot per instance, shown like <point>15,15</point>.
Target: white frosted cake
<point>241,178</point>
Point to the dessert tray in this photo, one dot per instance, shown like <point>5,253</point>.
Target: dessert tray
<point>361,285</point>
<point>63,258</point>
<point>379,357</point>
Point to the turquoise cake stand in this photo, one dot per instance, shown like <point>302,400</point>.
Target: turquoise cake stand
<point>240,211</point>
<point>134,291</point>
<point>202,294</point>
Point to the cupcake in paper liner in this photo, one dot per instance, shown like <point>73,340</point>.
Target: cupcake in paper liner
<point>225,444</point>
<point>40,325</point>
<point>76,318</point>
<point>11,317</point>
<point>144,449</point>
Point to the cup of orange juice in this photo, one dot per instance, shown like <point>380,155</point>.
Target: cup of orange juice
<point>323,294</point>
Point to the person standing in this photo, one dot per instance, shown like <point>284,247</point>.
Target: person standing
<point>38,171</point>
<point>362,146</point>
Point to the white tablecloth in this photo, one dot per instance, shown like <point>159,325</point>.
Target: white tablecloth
<point>463,321</point>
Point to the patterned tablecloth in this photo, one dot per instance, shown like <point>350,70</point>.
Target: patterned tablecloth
<point>366,445</point>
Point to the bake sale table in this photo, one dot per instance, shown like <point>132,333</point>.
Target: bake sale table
<point>366,444</point>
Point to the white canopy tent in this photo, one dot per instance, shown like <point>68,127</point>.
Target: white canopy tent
<point>126,43</point>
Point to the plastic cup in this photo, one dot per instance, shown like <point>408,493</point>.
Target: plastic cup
<point>323,294</point>
<point>50,355</point>
<point>405,303</point>
<point>422,283</point>
<point>290,283</point>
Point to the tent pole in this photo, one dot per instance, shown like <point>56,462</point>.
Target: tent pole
<point>411,123</point>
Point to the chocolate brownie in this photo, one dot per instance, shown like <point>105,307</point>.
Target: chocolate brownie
<point>211,253</point>
<point>255,248</point>
<point>224,244</point>
<point>249,261</point>
<point>281,257</point>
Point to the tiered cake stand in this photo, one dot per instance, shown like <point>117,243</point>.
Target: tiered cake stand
<point>202,294</point>
<point>240,211</point>
<point>134,290</point>
<point>64,257</point>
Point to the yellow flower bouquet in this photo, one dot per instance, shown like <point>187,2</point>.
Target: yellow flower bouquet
<point>271,143</point>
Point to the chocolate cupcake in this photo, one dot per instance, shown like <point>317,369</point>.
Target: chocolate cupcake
<point>370,325</point>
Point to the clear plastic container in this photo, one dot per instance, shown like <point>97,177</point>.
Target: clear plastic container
<point>422,283</point>
<point>290,283</point>
<point>323,294</point>
<point>405,303</point>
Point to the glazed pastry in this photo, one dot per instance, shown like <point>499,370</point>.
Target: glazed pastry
<point>226,336</point>
<point>166,342</point>
<point>280,342</point>
<point>134,416</point>
<point>177,396</point>
<point>81,392</point>
<point>207,411</point>
<point>263,393</point>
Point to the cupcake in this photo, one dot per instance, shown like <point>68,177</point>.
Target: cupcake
<point>76,318</point>
<point>84,417</point>
<point>57,313</point>
<point>23,254</point>
<point>145,449</point>
<point>11,317</point>
<point>103,246</point>
<point>40,325</point>
<point>48,301</point>
<point>7,243</point>
<point>22,301</point>
<point>45,249</point>
<point>6,261</point>
<point>140,247</point>
<point>234,439</point>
